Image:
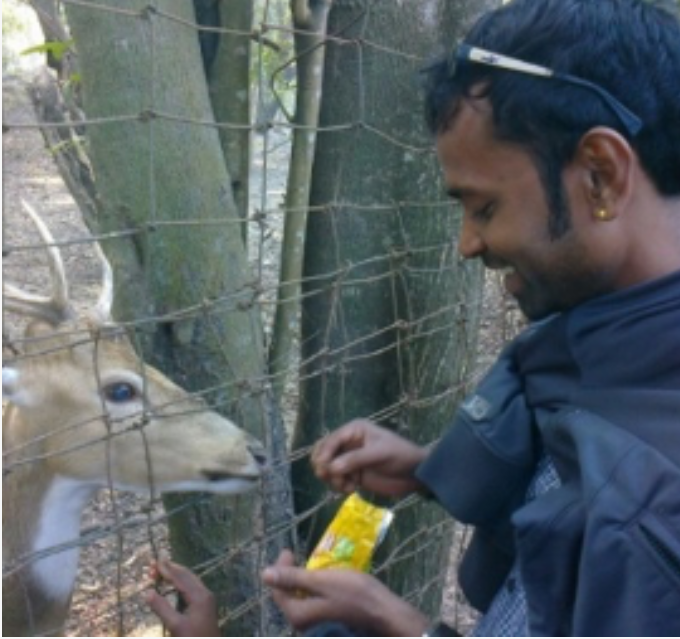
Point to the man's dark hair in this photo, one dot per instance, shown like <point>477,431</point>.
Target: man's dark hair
<point>631,48</point>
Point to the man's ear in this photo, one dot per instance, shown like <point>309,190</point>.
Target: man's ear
<point>607,161</point>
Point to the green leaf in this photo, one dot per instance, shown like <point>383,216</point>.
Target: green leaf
<point>55,48</point>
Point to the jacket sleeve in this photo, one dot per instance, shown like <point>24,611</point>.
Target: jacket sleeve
<point>480,471</point>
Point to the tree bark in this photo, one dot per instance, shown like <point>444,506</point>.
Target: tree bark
<point>229,87</point>
<point>389,313</point>
<point>166,197</point>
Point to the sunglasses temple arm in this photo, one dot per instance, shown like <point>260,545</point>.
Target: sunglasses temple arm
<point>631,121</point>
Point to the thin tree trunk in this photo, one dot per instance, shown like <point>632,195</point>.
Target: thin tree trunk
<point>66,143</point>
<point>54,30</point>
<point>309,20</point>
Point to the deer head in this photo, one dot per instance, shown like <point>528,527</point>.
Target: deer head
<point>86,412</point>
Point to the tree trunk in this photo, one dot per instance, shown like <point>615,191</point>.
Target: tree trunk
<point>310,25</point>
<point>389,314</point>
<point>166,197</point>
<point>229,86</point>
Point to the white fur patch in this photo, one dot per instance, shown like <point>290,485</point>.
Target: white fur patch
<point>59,524</point>
<point>12,389</point>
<point>10,383</point>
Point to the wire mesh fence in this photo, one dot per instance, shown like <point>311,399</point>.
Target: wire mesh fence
<point>120,532</point>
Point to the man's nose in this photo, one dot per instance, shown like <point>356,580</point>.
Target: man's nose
<point>470,242</point>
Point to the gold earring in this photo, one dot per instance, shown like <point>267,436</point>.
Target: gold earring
<point>603,215</point>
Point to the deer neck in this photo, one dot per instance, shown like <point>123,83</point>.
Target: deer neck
<point>40,534</point>
<point>58,526</point>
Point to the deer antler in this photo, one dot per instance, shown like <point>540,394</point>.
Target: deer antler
<point>54,309</point>
<point>57,308</point>
<point>103,308</point>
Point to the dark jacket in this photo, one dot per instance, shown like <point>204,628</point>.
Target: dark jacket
<point>597,389</point>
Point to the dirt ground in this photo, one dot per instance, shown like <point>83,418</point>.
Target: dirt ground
<point>113,566</point>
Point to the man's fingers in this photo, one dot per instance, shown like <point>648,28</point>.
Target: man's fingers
<point>167,613</point>
<point>284,575</point>
<point>345,438</point>
<point>350,465</point>
<point>344,484</point>
<point>184,580</point>
<point>285,559</point>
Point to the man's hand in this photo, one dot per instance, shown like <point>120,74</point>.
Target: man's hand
<point>310,597</point>
<point>200,617</point>
<point>361,454</point>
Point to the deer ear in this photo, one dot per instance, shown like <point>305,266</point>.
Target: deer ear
<point>12,390</point>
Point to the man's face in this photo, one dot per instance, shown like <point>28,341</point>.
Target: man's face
<point>506,216</point>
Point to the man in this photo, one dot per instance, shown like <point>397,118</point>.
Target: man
<point>557,125</point>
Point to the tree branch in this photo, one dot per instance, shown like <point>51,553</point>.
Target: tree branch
<point>310,54</point>
<point>65,143</point>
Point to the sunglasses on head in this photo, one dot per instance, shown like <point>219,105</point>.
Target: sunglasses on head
<point>464,53</point>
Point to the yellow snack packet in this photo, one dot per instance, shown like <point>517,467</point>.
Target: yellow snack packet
<point>352,536</point>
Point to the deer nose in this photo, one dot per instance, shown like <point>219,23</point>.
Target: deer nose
<point>256,449</point>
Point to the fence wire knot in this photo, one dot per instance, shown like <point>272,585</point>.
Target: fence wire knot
<point>148,12</point>
<point>147,114</point>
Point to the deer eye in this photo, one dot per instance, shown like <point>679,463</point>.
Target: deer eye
<point>120,392</point>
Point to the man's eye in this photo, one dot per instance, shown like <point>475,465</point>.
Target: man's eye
<point>120,392</point>
<point>485,213</point>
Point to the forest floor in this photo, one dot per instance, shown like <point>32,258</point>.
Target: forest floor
<point>114,561</point>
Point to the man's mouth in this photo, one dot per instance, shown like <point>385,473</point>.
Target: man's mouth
<point>511,280</point>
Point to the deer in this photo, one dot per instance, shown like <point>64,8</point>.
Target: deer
<point>84,412</point>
